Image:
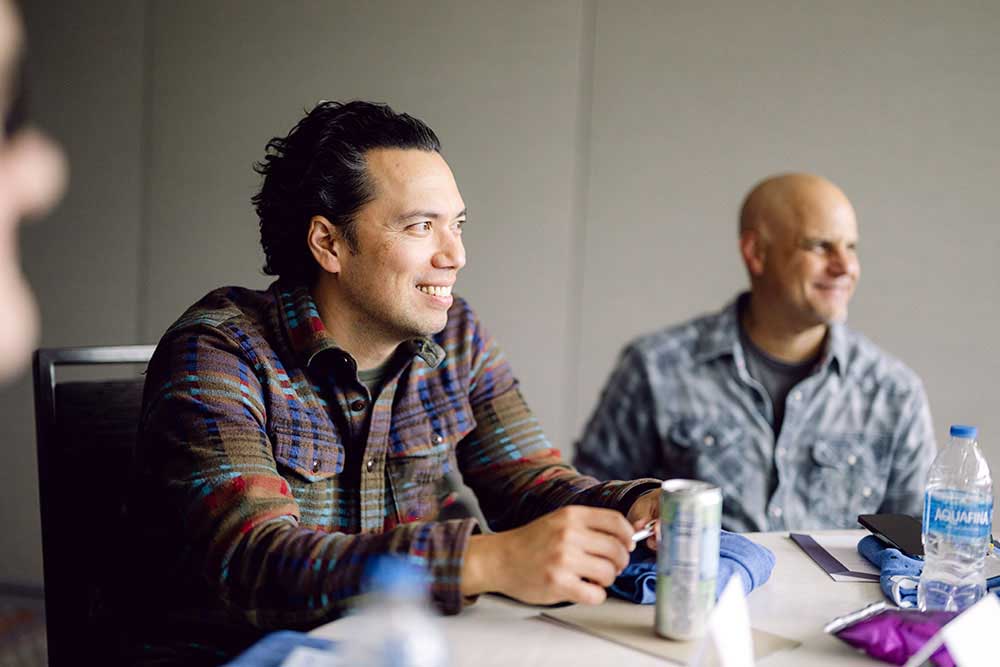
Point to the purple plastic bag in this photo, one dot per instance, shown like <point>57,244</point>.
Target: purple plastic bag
<point>892,635</point>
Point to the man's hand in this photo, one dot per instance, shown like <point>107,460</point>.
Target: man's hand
<point>572,554</point>
<point>645,508</point>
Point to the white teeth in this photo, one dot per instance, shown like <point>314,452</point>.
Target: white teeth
<point>435,290</point>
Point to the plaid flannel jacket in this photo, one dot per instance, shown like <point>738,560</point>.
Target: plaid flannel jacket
<point>260,494</point>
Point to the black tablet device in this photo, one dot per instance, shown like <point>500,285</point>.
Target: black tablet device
<point>901,531</point>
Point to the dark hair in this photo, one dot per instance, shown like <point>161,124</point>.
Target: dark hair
<point>320,169</point>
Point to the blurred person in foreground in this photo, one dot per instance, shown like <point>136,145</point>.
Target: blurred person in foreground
<point>803,422</point>
<point>32,175</point>
<point>290,434</point>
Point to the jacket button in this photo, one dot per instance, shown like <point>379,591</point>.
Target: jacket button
<point>358,405</point>
<point>437,439</point>
<point>315,465</point>
<point>370,465</point>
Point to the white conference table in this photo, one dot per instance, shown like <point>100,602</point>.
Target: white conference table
<point>797,601</point>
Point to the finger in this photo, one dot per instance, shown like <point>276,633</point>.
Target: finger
<point>654,539</point>
<point>584,592</point>
<point>645,506</point>
<point>611,522</point>
<point>602,545</point>
<point>596,569</point>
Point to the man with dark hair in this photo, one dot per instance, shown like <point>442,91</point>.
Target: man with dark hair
<point>320,168</point>
<point>290,434</point>
<point>802,422</point>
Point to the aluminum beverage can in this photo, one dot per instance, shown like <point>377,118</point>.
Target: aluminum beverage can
<point>687,562</point>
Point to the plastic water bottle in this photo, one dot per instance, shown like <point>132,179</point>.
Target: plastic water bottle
<point>958,512</point>
<point>395,627</point>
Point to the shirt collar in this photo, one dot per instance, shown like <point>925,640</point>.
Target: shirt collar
<point>722,337</point>
<point>835,349</point>
<point>722,334</point>
<point>309,336</point>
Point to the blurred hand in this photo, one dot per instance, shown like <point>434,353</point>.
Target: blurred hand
<point>572,555</point>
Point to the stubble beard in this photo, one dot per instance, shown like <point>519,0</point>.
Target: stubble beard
<point>397,324</point>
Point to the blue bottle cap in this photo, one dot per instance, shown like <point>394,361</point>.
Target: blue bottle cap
<point>960,431</point>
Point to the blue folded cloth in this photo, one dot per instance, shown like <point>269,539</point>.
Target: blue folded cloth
<point>637,582</point>
<point>272,649</point>
<point>737,556</point>
<point>898,573</point>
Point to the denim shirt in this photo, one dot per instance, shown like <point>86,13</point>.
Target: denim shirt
<point>857,436</point>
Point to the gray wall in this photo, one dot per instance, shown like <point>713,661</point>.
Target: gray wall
<point>602,147</point>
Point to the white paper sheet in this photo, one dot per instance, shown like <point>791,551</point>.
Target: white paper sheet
<point>845,549</point>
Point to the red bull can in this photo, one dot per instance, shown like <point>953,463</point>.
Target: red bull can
<point>687,562</point>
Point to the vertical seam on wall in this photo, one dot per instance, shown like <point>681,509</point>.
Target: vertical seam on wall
<point>145,165</point>
<point>578,207</point>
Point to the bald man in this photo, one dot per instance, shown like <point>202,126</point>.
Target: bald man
<point>802,422</point>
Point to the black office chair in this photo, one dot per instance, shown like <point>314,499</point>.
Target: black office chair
<point>86,437</point>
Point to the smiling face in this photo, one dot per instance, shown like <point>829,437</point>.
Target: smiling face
<point>806,266</point>
<point>397,284</point>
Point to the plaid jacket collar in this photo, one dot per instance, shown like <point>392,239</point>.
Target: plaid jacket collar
<point>722,337</point>
<point>309,338</point>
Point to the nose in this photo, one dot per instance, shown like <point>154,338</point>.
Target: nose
<point>450,253</point>
<point>836,266</point>
<point>842,260</point>
<point>33,175</point>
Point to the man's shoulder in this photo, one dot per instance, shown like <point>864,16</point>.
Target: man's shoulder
<point>240,307</point>
<point>677,345</point>
<point>870,365</point>
<point>226,328</point>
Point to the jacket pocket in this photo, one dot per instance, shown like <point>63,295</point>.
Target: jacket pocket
<point>315,454</point>
<point>846,480</point>
<point>707,449</point>
<point>419,456</point>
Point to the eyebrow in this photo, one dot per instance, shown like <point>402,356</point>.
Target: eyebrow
<point>806,240</point>
<point>428,214</point>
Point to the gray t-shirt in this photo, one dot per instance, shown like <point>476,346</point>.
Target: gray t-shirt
<point>374,378</point>
<point>778,377</point>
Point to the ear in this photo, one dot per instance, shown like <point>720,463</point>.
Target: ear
<point>753,248</point>
<point>325,243</point>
